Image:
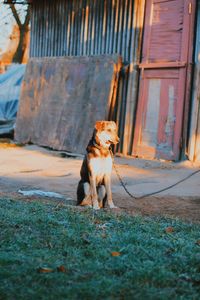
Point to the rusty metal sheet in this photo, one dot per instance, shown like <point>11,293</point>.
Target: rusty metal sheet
<point>62,97</point>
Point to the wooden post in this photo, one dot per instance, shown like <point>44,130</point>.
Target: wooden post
<point>135,50</point>
<point>195,120</point>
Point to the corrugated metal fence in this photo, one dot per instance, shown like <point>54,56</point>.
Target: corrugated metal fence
<point>94,27</point>
<point>82,27</point>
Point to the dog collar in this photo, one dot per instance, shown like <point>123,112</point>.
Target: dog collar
<point>100,147</point>
<point>97,146</point>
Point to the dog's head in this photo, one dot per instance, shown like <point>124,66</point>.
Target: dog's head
<point>106,133</point>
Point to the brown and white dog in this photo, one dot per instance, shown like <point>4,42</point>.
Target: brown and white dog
<point>95,184</point>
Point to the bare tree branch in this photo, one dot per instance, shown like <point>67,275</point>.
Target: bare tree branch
<point>27,19</point>
<point>15,14</point>
<point>23,32</point>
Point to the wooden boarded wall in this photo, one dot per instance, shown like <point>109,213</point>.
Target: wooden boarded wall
<point>61,99</point>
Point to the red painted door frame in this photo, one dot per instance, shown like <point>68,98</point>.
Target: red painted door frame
<point>159,76</point>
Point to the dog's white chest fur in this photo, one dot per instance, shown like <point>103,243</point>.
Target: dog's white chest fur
<point>101,167</point>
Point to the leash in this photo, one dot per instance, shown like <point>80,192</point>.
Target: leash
<point>145,195</point>
<point>153,193</point>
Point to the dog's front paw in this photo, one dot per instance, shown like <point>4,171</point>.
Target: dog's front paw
<point>111,205</point>
<point>96,206</point>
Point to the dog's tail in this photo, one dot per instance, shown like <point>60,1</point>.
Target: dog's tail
<point>80,193</point>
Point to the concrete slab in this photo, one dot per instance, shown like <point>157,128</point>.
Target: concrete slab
<point>33,167</point>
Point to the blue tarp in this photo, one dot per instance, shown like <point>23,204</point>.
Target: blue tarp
<point>10,83</point>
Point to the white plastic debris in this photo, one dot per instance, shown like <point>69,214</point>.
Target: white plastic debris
<point>41,193</point>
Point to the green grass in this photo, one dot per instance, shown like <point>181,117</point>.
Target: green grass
<point>158,258</point>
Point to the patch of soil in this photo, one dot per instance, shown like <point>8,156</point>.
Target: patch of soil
<point>185,208</point>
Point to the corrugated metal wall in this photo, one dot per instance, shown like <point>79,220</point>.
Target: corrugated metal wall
<point>94,27</point>
<point>82,27</point>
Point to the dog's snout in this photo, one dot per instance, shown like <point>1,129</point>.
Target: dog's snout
<point>117,140</point>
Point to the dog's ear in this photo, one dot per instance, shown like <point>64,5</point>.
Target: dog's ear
<point>98,125</point>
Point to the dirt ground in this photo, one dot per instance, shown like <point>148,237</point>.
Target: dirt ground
<point>35,168</point>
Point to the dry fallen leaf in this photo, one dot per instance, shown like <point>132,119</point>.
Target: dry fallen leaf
<point>45,270</point>
<point>97,221</point>
<point>169,229</point>
<point>61,269</point>
<point>115,253</point>
<point>104,235</point>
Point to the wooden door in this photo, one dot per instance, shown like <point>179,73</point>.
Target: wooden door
<point>165,65</point>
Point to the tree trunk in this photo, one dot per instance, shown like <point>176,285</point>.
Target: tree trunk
<point>23,44</point>
<point>23,34</point>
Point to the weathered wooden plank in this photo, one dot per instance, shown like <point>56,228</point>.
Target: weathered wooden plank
<point>197,146</point>
<point>191,8</point>
<point>134,56</point>
<point>194,134</point>
<point>61,99</point>
<point>194,128</point>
